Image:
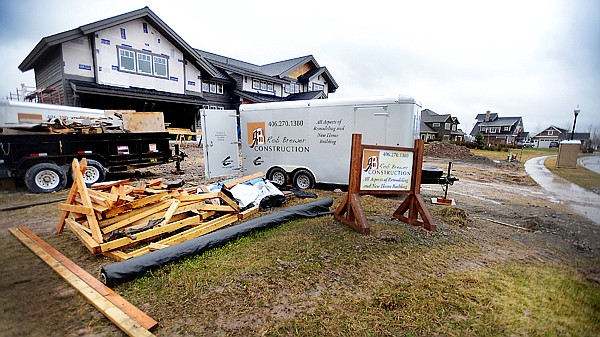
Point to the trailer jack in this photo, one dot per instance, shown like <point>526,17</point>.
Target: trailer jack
<point>435,176</point>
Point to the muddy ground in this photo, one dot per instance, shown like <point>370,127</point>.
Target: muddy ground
<point>35,301</point>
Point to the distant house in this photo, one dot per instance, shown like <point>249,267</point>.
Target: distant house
<point>135,61</point>
<point>442,127</point>
<point>556,134</point>
<point>498,130</point>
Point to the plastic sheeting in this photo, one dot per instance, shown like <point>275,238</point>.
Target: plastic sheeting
<point>128,270</point>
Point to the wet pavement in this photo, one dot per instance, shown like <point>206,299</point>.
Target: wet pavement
<point>579,199</point>
<point>591,163</point>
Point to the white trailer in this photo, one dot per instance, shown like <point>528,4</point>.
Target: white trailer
<point>308,142</point>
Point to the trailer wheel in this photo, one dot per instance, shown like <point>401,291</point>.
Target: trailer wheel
<point>303,179</point>
<point>45,177</point>
<point>278,176</point>
<point>94,173</point>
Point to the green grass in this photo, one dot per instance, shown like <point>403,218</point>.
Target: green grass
<point>522,154</point>
<point>315,277</point>
<point>580,176</point>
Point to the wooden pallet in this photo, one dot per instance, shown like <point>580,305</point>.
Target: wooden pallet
<point>115,218</point>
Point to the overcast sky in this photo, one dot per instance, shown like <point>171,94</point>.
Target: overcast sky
<point>535,59</point>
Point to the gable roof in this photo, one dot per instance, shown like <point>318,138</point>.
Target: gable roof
<point>428,116</point>
<point>144,13</point>
<point>276,72</point>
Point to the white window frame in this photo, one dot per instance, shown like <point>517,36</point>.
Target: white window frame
<point>220,88</point>
<point>255,84</point>
<point>154,63</point>
<point>317,86</point>
<point>550,132</point>
<point>447,126</point>
<point>143,58</point>
<point>506,128</point>
<point>436,125</point>
<point>130,55</point>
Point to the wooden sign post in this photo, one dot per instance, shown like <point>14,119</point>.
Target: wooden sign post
<point>376,169</point>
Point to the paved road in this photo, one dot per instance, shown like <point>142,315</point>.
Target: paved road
<point>591,163</point>
<point>581,200</point>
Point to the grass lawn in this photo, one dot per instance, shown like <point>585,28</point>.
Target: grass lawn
<point>522,154</point>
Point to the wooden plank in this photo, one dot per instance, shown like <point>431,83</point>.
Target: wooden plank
<point>104,195</point>
<point>108,184</point>
<point>85,198</point>
<point>83,236</point>
<point>247,213</point>
<point>216,208</point>
<point>117,255</point>
<point>198,197</point>
<point>156,246</point>
<point>132,218</point>
<point>150,233</point>
<point>155,182</point>
<point>200,230</point>
<point>229,202</point>
<point>70,199</point>
<point>76,209</point>
<point>231,183</point>
<point>95,206</point>
<point>144,321</point>
<point>135,204</point>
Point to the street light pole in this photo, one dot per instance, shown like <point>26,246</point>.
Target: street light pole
<point>575,112</point>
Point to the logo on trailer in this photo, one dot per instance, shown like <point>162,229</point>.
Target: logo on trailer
<point>370,160</point>
<point>227,161</point>
<point>256,133</point>
<point>258,161</point>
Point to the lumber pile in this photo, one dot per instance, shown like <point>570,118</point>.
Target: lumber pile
<point>122,220</point>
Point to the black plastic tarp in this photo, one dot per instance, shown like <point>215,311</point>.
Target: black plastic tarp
<point>128,270</point>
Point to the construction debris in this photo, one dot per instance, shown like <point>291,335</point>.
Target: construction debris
<point>116,218</point>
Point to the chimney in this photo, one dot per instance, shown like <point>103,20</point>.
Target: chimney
<point>487,116</point>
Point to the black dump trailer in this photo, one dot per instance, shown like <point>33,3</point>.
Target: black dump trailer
<point>43,161</point>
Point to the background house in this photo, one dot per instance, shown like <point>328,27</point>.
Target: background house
<point>555,134</point>
<point>442,127</point>
<point>134,61</point>
<point>498,130</point>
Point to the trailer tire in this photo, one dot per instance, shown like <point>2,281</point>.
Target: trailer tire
<point>303,179</point>
<point>278,176</point>
<point>45,178</point>
<point>94,173</point>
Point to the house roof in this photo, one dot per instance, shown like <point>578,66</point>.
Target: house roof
<point>426,129</point>
<point>501,121</point>
<point>84,87</point>
<point>277,72</point>
<point>145,13</point>
<point>553,128</point>
<point>429,116</point>
<point>481,117</point>
<point>264,98</point>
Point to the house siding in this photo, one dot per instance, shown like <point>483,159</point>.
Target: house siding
<point>49,73</point>
<point>108,42</point>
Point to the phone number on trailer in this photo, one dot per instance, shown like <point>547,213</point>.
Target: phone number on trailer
<point>286,123</point>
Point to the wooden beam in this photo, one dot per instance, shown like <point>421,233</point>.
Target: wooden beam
<point>83,236</point>
<point>150,233</point>
<point>76,209</point>
<point>135,204</point>
<point>127,317</point>
<point>132,218</point>
<point>231,183</point>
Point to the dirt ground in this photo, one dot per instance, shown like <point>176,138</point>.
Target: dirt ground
<point>35,301</point>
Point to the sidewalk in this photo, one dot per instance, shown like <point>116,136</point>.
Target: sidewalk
<point>579,199</point>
